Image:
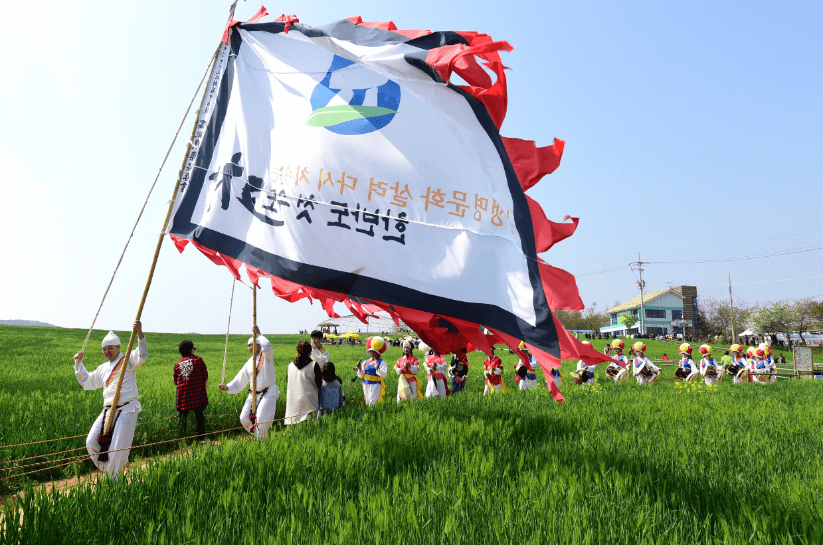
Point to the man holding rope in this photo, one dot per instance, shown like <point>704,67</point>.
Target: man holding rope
<point>110,452</point>
<point>267,390</point>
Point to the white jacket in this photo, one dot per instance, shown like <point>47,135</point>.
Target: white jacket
<point>97,378</point>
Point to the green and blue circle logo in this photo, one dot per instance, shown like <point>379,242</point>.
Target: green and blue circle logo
<point>353,99</point>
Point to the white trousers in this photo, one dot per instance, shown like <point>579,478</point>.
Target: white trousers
<point>643,379</point>
<point>266,406</point>
<point>371,393</point>
<point>711,381</point>
<point>435,388</point>
<point>121,439</point>
<point>527,384</point>
<point>413,386</point>
<point>497,388</point>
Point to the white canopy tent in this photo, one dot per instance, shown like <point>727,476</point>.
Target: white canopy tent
<point>377,324</point>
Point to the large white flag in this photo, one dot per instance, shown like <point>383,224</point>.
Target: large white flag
<point>337,158</point>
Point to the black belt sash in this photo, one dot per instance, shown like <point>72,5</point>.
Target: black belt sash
<point>104,439</point>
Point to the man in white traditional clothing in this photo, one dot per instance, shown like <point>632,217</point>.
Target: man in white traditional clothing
<point>373,371</point>
<point>110,452</point>
<point>319,354</point>
<point>267,390</point>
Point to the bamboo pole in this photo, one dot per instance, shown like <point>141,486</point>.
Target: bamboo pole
<point>254,354</point>
<point>160,237</point>
<point>127,356</point>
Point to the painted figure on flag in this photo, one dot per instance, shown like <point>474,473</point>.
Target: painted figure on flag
<point>353,99</point>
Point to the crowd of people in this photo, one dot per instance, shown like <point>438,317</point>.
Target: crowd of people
<point>314,389</point>
<point>755,364</point>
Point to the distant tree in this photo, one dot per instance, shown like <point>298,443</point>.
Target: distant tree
<point>716,316</point>
<point>778,318</point>
<point>589,319</point>
<point>570,320</point>
<point>595,320</point>
<point>817,314</point>
<point>628,320</point>
<point>805,314</point>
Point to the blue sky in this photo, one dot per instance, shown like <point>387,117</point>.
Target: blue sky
<point>694,132</point>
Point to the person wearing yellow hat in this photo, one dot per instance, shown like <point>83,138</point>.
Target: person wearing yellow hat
<point>524,373</point>
<point>751,361</point>
<point>709,369</point>
<point>642,367</point>
<point>373,371</point>
<point>686,370</point>
<point>616,370</point>
<point>762,369</point>
<point>771,363</point>
<point>738,368</point>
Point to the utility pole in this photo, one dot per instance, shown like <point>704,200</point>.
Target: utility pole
<point>641,284</point>
<point>731,306</point>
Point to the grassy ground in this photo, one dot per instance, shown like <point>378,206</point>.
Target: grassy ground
<point>614,463</point>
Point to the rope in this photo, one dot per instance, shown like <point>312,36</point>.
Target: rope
<point>228,326</point>
<point>37,456</point>
<point>151,189</point>
<point>38,470</point>
<point>86,434</point>
<point>44,441</point>
<point>83,456</point>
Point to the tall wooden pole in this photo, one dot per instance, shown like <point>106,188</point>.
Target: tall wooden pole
<point>731,306</point>
<point>127,356</point>
<point>254,353</point>
<point>160,237</point>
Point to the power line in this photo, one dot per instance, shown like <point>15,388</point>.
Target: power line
<point>742,258</point>
<point>693,248</point>
<point>602,271</point>
<point>762,281</point>
<point>778,253</point>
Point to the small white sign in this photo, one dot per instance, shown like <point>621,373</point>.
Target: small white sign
<point>803,361</point>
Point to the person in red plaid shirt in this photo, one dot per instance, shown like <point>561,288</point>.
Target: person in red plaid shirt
<point>190,376</point>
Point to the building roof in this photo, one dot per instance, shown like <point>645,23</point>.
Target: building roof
<point>647,298</point>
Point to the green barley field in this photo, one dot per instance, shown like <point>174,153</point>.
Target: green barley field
<point>614,463</point>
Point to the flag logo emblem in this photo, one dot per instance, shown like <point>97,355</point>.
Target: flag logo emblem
<point>353,99</point>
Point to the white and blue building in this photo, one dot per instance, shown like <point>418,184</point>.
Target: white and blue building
<point>660,309</point>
